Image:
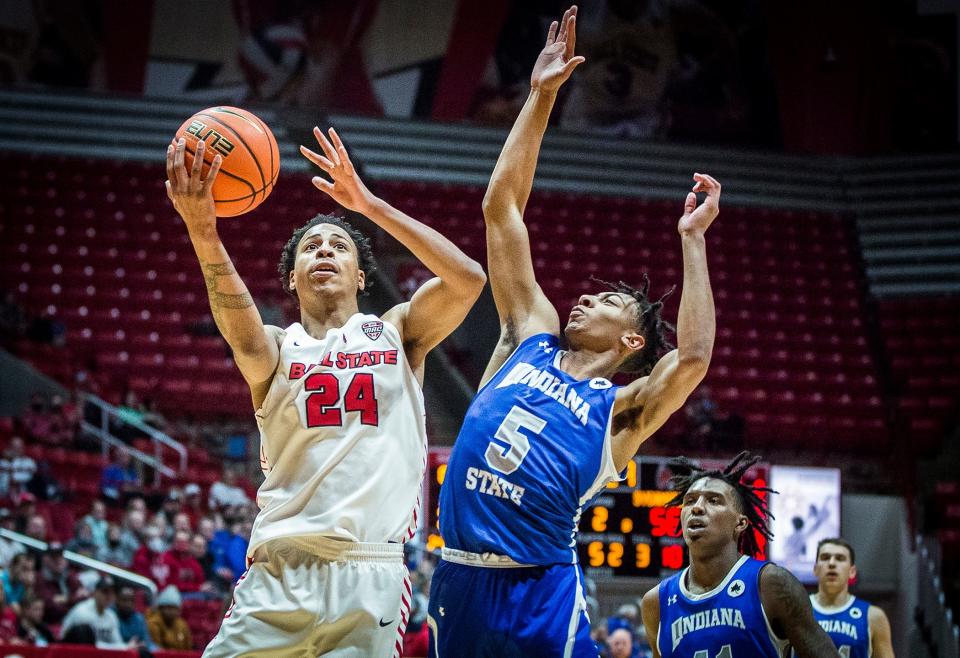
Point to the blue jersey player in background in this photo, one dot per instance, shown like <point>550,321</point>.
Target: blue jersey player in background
<point>547,429</point>
<point>727,604</point>
<point>859,630</point>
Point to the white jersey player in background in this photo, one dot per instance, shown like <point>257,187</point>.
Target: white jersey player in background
<point>339,404</point>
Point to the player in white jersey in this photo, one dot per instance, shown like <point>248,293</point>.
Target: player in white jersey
<point>339,405</point>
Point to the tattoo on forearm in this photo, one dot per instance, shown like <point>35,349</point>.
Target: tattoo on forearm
<point>242,300</point>
<point>222,300</point>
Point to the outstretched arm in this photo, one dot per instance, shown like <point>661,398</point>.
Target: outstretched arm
<point>788,608</point>
<point>254,346</point>
<point>880,642</point>
<point>440,304</point>
<point>523,308</point>
<point>675,375</point>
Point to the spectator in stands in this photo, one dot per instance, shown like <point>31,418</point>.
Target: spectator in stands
<point>44,485</point>
<point>237,548</point>
<point>147,560</point>
<point>416,639</point>
<point>57,586</point>
<point>620,643</point>
<point>82,541</point>
<point>63,422</point>
<point>37,422</point>
<point>628,616</point>
<point>26,507</point>
<point>159,521</point>
<point>193,503</point>
<point>167,627</point>
<point>133,625</point>
<point>182,523</point>
<point>137,503</point>
<point>36,526</point>
<point>30,627</point>
<point>116,552</point>
<point>97,615</point>
<point>132,533</point>
<point>120,478</point>
<point>8,622</point>
<point>8,547</point>
<point>226,493</point>
<point>97,520</point>
<point>18,580</point>
<point>172,505</point>
<point>131,411</point>
<point>200,553</point>
<point>16,469</point>
<point>185,573</point>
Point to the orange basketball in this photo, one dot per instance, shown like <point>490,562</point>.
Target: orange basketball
<point>251,160</point>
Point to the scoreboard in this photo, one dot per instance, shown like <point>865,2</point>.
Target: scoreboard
<point>627,531</point>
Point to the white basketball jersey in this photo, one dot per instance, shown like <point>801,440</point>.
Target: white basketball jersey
<point>343,440</point>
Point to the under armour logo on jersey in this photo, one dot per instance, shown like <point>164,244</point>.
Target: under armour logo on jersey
<point>544,344</point>
<point>372,329</point>
<point>442,612</point>
<point>600,383</point>
<point>856,613</point>
<point>736,588</point>
<point>671,599</point>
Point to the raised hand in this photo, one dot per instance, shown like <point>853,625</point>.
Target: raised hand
<point>192,195</point>
<point>697,219</point>
<point>557,61</point>
<point>346,189</point>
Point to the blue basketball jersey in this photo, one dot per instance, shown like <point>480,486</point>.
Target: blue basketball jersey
<point>533,451</point>
<point>847,625</point>
<point>726,622</point>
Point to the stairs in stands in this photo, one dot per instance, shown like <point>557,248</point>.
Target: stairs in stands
<point>908,215</point>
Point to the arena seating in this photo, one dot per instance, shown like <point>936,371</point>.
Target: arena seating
<point>96,245</point>
<point>922,341</point>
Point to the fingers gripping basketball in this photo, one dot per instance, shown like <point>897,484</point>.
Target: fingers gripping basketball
<point>251,160</point>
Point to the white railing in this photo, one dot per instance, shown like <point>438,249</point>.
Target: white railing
<point>157,438</point>
<point>84,561</point>
<point>932,601</point>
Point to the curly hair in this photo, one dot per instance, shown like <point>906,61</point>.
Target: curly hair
<point>650,325</point>
<point>753,504</point>
<point>365,259</point>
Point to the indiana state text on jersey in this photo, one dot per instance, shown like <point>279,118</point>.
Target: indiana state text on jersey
<point>526,374</point>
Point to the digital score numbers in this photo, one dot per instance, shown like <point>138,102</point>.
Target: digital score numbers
<point>627,531</point>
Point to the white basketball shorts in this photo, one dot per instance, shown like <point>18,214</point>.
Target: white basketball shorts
<point>308,596</point>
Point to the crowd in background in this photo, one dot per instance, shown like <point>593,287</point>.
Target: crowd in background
<point>191,543</point>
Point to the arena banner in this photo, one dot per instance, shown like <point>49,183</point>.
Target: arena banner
<point>807,509</point>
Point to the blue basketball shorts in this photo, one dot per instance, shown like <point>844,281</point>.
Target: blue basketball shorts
<point>529,612</point>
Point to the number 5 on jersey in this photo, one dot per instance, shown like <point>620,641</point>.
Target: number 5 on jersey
<point>509,447</point>
<point>323,403</point>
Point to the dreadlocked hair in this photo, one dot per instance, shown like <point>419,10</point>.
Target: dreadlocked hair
<point>365,259</point>
<point>753,503</point>
<point>650,325</point>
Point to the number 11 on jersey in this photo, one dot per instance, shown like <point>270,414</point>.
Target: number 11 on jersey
<point>724,653</point>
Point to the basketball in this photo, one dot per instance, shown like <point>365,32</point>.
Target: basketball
<point>251,160</point>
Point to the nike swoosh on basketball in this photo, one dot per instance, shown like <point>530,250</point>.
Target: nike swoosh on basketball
<point>384,624</point>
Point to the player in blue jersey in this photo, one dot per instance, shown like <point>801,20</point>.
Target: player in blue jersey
<point>859,630</point>
<point>727,604</point>
<point>548,430</point>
